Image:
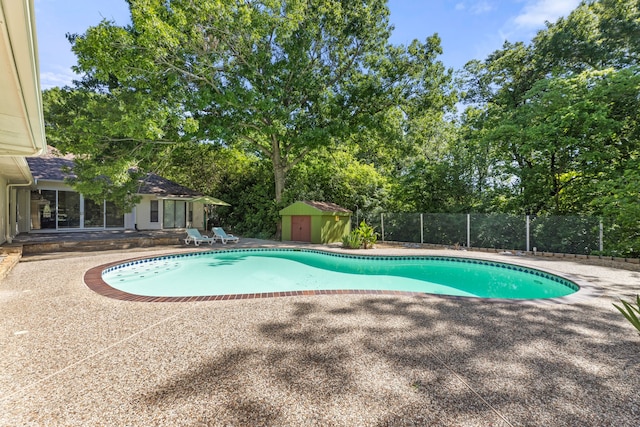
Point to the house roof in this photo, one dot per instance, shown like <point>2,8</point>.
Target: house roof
<point>162,187</point>
<point>51,167</point>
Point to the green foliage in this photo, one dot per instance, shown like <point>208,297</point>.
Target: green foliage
<point>362,237</point>
<point>263,103</point>
<point>367,235</point>
<point>630,312</point>
<point>553,125</point>
<point>352,240</point>
<point>337,176</point>
<point>279,78</point>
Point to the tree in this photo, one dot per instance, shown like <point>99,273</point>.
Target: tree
<point>338,176</point>
<point>558,118</point>
<point>278,78</point>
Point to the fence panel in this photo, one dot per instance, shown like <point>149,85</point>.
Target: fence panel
<point>499,231</point>
<point>445,229</point>
<point>565,234</point>
<point>559,234</point>
<point>401,227</point>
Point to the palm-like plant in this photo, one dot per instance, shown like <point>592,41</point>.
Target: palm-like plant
<point>367,234</point>
<point>630,312</point>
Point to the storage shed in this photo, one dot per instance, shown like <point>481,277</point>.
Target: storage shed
<point>315,222</point>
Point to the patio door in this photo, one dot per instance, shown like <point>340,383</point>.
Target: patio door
<point>175,214</point>
<point>301,228</point>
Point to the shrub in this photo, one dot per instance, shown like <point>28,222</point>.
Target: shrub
<point>367,234</point>
<point>352,240</point>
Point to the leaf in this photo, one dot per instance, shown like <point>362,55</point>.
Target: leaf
<point>629,312</point>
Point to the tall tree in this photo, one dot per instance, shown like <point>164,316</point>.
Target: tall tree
<point>560,117</point>
<point>279,78</point>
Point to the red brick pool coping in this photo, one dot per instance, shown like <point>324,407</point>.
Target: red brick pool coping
<point>93,280</point>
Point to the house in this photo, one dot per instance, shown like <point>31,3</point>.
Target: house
<point>42,201</point>
<point>51,205</point>
<point>21,116</point>
<point>315,222</point>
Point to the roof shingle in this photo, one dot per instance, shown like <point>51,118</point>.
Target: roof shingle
<point>326,206</point>
<point>52,168</point>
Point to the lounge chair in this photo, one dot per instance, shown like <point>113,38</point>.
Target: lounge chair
<point>219,234</point>
<point>193,235</point>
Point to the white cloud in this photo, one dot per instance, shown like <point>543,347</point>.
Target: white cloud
<point>60,78</point>
<point>481,7</point>
<point>536,13</point>
<point>476,7</point>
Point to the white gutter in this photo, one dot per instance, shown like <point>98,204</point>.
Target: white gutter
<point>23,108</point>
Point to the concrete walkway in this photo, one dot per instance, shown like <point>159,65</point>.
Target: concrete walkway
<point>71,357</point>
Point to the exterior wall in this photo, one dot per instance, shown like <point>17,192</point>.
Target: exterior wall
<point>24,206</point>
<point>18,218</point>
<point>316,226</point>
<point>3,209</point>
<point>140,215</point>
<point>53,185</point>
<point>324,227</point>
<point>143,214</point>
<point>332,231</point>
<point>299,208</point>
<point>286,227</point>
<point>130,220</point>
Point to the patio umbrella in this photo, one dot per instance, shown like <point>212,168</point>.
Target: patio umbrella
<point>208,200</point>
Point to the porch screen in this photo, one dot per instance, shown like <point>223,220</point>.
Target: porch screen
<point>93,213</point>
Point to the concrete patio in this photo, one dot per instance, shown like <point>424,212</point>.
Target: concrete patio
<point>71,357</point>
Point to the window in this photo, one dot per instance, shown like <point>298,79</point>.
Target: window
<point>154,211</point>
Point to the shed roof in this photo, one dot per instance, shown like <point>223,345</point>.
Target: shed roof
<point>326,206</point>
<point>318,207</point>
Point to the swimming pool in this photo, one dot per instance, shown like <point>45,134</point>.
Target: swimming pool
<point>250,273</point>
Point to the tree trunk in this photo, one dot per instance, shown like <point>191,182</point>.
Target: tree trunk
<point>279,168</point>
<point>279,175</point>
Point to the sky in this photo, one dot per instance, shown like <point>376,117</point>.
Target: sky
<point>468,29</point>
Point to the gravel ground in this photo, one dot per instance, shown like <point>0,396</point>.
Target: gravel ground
<point>70,357</point>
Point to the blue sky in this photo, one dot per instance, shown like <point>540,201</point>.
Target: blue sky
<point>469,29</point>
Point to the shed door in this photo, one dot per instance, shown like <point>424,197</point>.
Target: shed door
<point>301,228</point>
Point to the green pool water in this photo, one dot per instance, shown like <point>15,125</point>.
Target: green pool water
<point>248,271</point>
